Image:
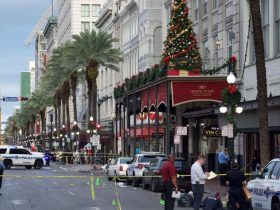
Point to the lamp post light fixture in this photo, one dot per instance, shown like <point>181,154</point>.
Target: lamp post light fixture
<point>231,78</point>
<point>91,118</point>
<point>223,109</point>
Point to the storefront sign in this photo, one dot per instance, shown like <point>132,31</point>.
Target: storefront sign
<point>190,91</point>
<point>177,139</point>
<point>212,131</point>
<point>230,130</point>
<point>181,130</point>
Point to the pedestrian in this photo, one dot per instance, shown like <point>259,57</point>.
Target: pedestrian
<point>169,179</point>
<point>236,180</point>
<point>213,202</point>
<point>198,178</point>
<point>2,168</point>
<point>256,164</point>
<point>223,161</point>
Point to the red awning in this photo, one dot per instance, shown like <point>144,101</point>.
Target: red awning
<point>162,94</point>
<point>145,131</point>
<point>190,91</point>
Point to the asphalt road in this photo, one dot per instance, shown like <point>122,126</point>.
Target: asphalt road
<point>37,190</point>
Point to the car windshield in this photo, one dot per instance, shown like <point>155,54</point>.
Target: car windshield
<point>124,160</point>
<point>181,164</point>
<point>146,158</point>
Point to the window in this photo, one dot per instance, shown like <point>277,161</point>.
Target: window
<point>85,10</point>
<point>93,27</point>
<point>85,26</point>
<point>277,25</point>
<point>19,151</point>
<point>206,54</point>
<point>214,4</point>
<point>265,24</point>
<point>157,41</point>
<point>95,10</point>
<point>196,5</point>
<point>216,49</point>
<point>205,7</point>
<point>230,38</point>
<point>124,160</point>
<point>268,169</point>
<point>168,12</point>
<point>275,171</point>
<point>3,151</point>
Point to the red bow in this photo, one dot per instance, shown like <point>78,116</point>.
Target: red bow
<point>232,89</point>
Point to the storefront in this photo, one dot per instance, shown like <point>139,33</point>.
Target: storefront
<point>147,117</point>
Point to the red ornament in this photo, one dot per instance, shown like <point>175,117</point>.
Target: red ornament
<point>233,59</point>
<point>232,89</point>
<point>187,9</point>
<point>166,59</point>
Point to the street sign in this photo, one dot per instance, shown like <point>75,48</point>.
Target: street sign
<point>177,139</point>
<point>99,147</point>
<point>181,130</point>
<point>95,140</point>
<point>14,99</point>
<point>224,131</point>
<point>230,130</point>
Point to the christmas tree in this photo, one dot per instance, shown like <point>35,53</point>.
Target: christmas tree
<point>181,50</point>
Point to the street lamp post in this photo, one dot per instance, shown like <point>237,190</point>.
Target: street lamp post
<point>231,98</point>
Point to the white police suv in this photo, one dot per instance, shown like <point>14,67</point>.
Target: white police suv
<point>19,156</point>
<point>266,188</point>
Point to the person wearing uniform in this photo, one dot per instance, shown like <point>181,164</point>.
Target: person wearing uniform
<point>198,178</point>
<point>169,178</point>
<point>236,179</point>
<point>223,165</point>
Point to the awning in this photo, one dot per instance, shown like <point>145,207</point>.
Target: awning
<point>146,132</point>
<point>190,91</point>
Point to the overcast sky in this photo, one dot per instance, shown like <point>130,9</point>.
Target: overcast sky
<point>17,20</point>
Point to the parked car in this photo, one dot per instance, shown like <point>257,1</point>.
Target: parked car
<point>266,188</point>
<point>137,167</point>
<point>152,174</point>
<point>118,168</point>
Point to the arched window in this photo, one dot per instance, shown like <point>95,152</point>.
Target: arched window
<point>157,45</point>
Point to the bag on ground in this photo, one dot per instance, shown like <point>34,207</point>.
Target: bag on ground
<point>185,200</point>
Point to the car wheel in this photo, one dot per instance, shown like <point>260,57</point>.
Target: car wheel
<point>128,182</point>
<point>275,206</point>
<point>28,167</point>
<point>38,164</point>
<point>144,185</point>
<point>108,176</point>
<point>154,185</point>
<point>135,182</point>
<point>8,164</point>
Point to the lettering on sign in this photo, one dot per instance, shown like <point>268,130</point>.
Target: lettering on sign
<point>212,132</point>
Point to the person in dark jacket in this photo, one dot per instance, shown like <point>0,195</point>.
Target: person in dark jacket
<point>2,168</point>
<point>236,179</point>
<point>213,202</point>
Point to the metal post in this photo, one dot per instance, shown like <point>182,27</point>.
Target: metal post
<point>157,121</point>
<point>168,149</point>
<point>134,116</point>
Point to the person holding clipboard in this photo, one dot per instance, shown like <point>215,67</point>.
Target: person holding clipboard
<point>198,178</point>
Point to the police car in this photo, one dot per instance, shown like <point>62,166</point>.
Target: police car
<point>266,188</point>
<point>20,156</point>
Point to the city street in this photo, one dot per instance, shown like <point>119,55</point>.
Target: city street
<point>61,193</point>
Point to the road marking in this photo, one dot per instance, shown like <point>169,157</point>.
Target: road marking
<point>92,188</point>
<point>71,193</point>
<point>19,202</point>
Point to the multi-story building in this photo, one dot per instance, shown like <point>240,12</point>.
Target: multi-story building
<point>248,121</point>
<point>40,50</point>
<point>137,25</point>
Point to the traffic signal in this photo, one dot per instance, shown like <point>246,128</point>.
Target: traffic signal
<point>22,99</point>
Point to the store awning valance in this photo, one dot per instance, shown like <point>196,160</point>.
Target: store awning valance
<point>191,91</point>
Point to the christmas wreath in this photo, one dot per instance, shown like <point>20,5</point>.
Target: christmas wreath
<point>231,95</point>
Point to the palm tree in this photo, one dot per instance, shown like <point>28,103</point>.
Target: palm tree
<point>261,81</point>
<point>91,50</point>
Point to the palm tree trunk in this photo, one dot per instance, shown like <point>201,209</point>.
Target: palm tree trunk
<point>74,78</point>
<point>89,85</point>
<point>42,115</point>
<point>261,82</point>
<point>59,113</point>
<point>94,100</point>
